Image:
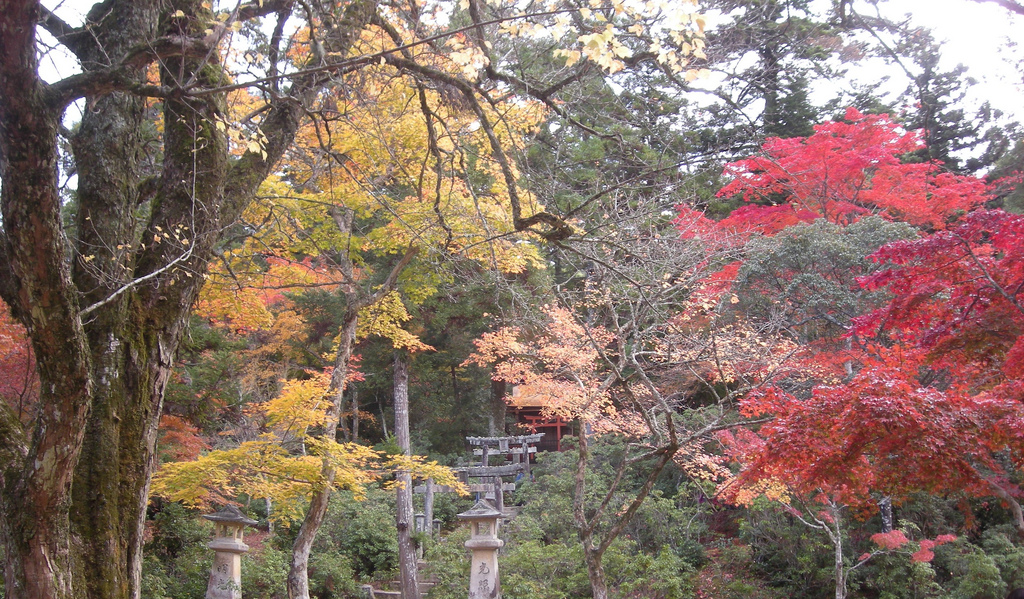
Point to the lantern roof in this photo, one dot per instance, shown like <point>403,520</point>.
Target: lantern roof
<point>230,514</point>
<point>483,510</point>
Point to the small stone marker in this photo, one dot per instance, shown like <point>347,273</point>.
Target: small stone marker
<point>226,573</point>
<point>484,543</point>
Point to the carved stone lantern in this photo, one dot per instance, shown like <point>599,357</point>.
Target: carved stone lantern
<point>226,573</point>
<point>484,543</point>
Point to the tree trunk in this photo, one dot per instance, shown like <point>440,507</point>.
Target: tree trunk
<point>105,321</point>
<point>885,511</point>
<point>404,516</point>
<point>835,535</point>
<point>498,406</point>
<point>134,337</point>
<point>298,572</point>
<point>592,552</point>
<point>36,473</point>
<point>595,572</point>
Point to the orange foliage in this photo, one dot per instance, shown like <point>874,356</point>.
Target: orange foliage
<point>179,440</point>
<point>560,363</point>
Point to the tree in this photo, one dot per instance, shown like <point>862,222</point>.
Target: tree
<point>936,388</point>
<point>634,382</point>
<point>105,307</point>
<point>968,335</point>
<point>852,168</point>
<point>1010,5</point>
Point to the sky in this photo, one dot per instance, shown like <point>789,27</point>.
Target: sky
<point>975,34</point>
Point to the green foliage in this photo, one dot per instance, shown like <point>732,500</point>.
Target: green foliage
<point>356,541</point>
<point>183,577</point>
<point>897,577</point>
<point>729,575</point>
<point>788,555</point>
<point>1009,558</point>
<point>663,575</point>
<point>207,375</point>
<point>532,569</point>
<point>264,573</point>
<point>175,529</point>
<point>975,574</point>
<point>808,273</point>
<point>177,561</point>
<point>364,531</point>
<point>331,574</point>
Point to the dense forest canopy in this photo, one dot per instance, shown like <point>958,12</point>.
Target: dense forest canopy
<point>263,253</point>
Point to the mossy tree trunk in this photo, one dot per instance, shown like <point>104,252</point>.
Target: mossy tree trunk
<point>106,300</point>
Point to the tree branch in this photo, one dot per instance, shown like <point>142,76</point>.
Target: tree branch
<point>68,36</point>
<point>1015,509</point>
<point>666,452</point>
<point>1010,5</point>
<point>138,281</point>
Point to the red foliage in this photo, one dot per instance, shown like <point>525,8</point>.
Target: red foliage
<point>890,540</point>
<point>845,170</point>
<point>882,432</point>
<point>19,383</point>
<point>931,410</point>
<point>957,295</point>
<point>179,440</point>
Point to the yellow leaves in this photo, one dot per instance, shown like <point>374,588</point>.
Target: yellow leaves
<point>467,57</point>
<point>384,145</point>
<point>571,56</point>
<point>744,495</point>
<point>604,48</point>
<point>300,405</point>
<point>662,27</point>
<point>385,318</point>
<point>265,469</point>
<point>694,74</point>
<point>256,468</point>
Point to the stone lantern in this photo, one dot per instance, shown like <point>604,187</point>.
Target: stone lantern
<point>226,573</point>
<point>484,542</point>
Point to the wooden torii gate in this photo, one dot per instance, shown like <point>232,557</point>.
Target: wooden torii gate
<point>519,447</point>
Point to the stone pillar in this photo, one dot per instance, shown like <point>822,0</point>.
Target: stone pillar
<point>226,573</point>
<point>484,543</point>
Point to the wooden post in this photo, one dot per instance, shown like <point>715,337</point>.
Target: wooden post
<point>428,504</point>
<point>499,495</point>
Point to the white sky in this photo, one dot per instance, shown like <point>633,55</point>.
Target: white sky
<point>978,35</point>
<point>975,34</point>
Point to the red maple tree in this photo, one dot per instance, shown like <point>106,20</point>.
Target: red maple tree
<point>936,402</point>
<point>845,170</point>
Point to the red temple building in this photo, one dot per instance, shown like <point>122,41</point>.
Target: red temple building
<point>528,407</point>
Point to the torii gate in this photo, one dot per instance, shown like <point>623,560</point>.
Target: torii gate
<point>519,447</point>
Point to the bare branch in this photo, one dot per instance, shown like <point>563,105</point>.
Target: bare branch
<point>136,282</point>
<point>1010,5</point>
<point>68,36</point>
